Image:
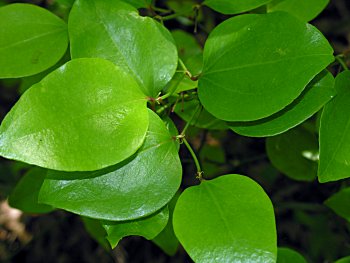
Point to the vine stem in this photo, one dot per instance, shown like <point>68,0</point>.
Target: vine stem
<point>195,159</point>
<point>190,120</point>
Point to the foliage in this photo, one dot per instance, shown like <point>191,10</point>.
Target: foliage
<point>97,131</point>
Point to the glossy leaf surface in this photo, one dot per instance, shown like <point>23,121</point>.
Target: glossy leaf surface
<point>294,153</point>
<point>113,30</point>
<point>287,255</point>
<point>228,219</point>
<point>314,97</point>
<point>304,10</point>
<point>132,189</point>
<point>234,6</point>
<point>32,40</point>
<point>334,161</point>
<point>339,203</point>
<point>86,115</point>
<point>166,239</point>
<point>255,65</point>
<point>148,227</point>
<point>25,195</point>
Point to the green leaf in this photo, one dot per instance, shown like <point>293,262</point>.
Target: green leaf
<point>304,10</point>
<point>334,161</point>
<point>166,239</point>
<point>202,119</point>
<point>234,6</point>
<point>86,115</point>
<point>139,3</point>
<point>339,203</point>
<point>96,231</point>
<point>343,260</point>
<point>287,255</point>
<point>32,40</point>
<point>255,65</point>
<point>135,188</point>
<point>318,92</point>
<point>294,153</point>
<point>25,195</point>
<point>113,30</point>
<point>228,219</point>
<point>148,227</point>
<point>187,45</point>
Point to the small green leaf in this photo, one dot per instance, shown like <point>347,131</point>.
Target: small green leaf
<point>294,153</point>
<point>302,9</point>
<point>25,195</point>
<point>228,219</point>
<point>334,161</point>
<point>86,115</point>
<point>135,188</point>
<point>148,227</point>
<point>166,239</point>
<point>202,119</point>
<point>255,65</point>
<point>97,232</point>
<point>287,255</point>
<point>113,30</point>
<point>32,40</point>
<point>234,6</point>
<point>339,203</point>
<point>319,91</point>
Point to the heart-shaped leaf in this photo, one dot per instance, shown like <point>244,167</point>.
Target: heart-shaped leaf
<point>255,65</point>
<point>228,219</point>
<point>32,40</point>
<point>113,30</point>
<point>86,115</point>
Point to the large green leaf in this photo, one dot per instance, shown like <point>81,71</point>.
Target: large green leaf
<point>255,65</point>
<point>319,91</point>
<point>294,153</point>
<point>228,219</point>
<point>234,6</point>
<point>32,40</point>
<point>25,195</point>
<point>148,227</point>
<point>166,239</point>
<point>135,188</point>
<point>335,134</point>
<point>287,255</point>
<point>86,115</point>
<point>113,30</point>
<point>305,10</point>
<point>339,203</point>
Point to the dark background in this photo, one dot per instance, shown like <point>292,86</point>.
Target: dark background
<point>303,222</point>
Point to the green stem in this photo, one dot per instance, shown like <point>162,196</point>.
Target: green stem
<point>191,119</point>
<point>339,58</point>
<point>195,159</point>
<point>183,66</point>
<point>172,88</point>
